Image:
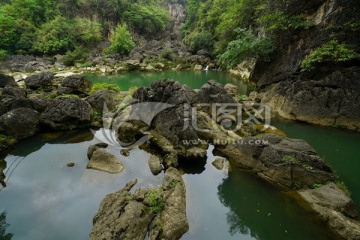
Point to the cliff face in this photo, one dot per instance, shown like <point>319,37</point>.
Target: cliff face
<point>329,94</point>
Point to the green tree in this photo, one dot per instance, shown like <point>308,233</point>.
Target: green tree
<point>3,227</point>
<point>56,36</point>
<point>121,41</point>
<point>88,32</point>
<point>246,47</point>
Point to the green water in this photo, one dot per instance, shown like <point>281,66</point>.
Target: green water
<point>45,199</point>
<point>194,79</point>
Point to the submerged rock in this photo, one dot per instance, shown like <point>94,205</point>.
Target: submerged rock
<point>104,161</point>
<point>159,212</point>
<point>336,208</point>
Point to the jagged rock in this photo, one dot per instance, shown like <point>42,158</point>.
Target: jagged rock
<point>214,92</point>
<point>76,84</point>
<point>67,113</point>
<point>336,208</point>
<point>128,216</point>
<point>100,100</point>
<point>14,91</point>
<point>155,165</point>
<point>94,147</point>
<point>171,223</point>
<point>219,163</point>
<point>104,161</point>
<point>42,80</point>
<point>290,163</point>
<point>20,123</point>
<point>7,81</point>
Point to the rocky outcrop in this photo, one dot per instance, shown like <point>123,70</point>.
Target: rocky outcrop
<point>332,100</point>
<point>6,81</point>
<point>160,213</point>
<point>328,94</point>
<point>40,81</point>
<point>289,163</point>
<point>104,161</point>
<point>75,84</point>
<point>14,91</point>
<point>336,208</point>
<point>20,123</point>
<point>66,114</point>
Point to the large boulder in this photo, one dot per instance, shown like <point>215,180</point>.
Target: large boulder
<point>289,163</point>
<point>336,208</point>
<point>76,84</point>
<point>66,114</point>
<point>8,103</point>
<point>104,161</point>
<point>20,123</point>
<point>214,92</point>
<point>6,81</point>
<point>14,91</point>
<point>160,212</point>
<point>101,101</point>
<point>95,147</point>
<point>40,81</point>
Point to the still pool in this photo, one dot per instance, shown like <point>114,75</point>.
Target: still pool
<point>44,199</point>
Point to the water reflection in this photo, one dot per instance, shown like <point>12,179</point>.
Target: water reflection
<point>3,227</point>
<point>259,210</point>
<point>2,175</point>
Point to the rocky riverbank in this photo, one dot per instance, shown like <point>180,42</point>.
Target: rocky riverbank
<point>175,124</point>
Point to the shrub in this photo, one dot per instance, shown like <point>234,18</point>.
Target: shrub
<point>199,40</point>
<point>121,42</point>
<point>100,86</point>
<point>332,51</point>
<point>167,54</point>
<point>156,201</point>
<point>88,32</point>
<point>246,47</point>
<point>281,21</point>
<point>78,55</point>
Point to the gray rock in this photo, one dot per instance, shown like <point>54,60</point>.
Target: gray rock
<point>337,209</point>
<point>94,147</point>
<point>8,103</point>
<point>214,92</point>
<point>104,161</point>
<point>42,80</point>
<point>219,163</point>
<point>67,113</point>
<point>127,216</point>
<point>77,84</point>
<point>7,81</point>
<point>102,99</point>
<point>125,152</point>
<point>290,163</point>
<point>231,89</point>
<point>20,123</point>
<point>198,68</point>
<point>155,165</point>
<point>15,91</point>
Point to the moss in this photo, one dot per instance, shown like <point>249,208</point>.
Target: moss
<point>289,159</point>
<point>67,96</point>
<point>7,140</point>
<point>316,185</point>
<point>156,201</point>
<point>104,86</point>
<point>343,187</point>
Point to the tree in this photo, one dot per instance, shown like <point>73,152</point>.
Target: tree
<point>121,42</point>
<point>3,227</point>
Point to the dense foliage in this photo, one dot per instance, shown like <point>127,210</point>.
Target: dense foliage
<point>63,26</point>
<point>122,42</point>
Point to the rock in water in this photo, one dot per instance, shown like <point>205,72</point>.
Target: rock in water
<point>336,208</point>
<point>20,123</point>
<point>125,152</point>
<point>95,147</point>
<point>104,161</point>
<point>219,163</point>
<point>155,165</point>
<point>67,114</point>
<point>128,216</point>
